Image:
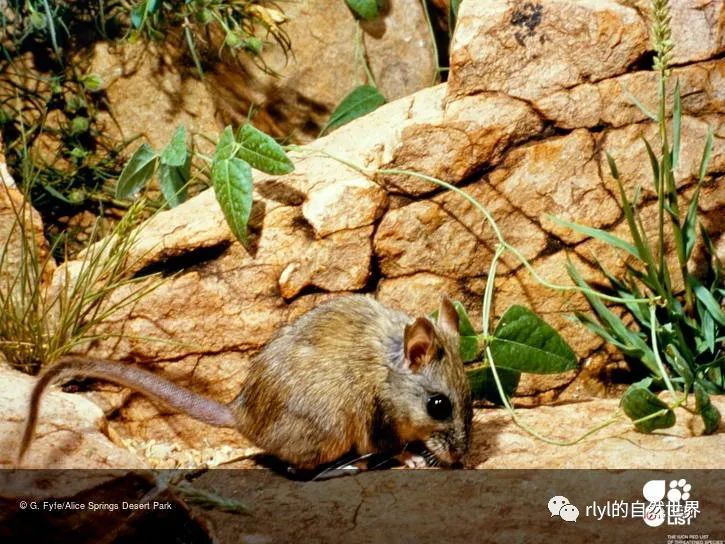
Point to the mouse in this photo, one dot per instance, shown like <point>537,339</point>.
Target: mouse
<point>350,375</point>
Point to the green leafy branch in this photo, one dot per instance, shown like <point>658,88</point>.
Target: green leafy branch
<point>230,174</point>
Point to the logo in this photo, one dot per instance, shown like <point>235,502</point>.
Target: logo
<point>560,506</point>
<point>678,509</point>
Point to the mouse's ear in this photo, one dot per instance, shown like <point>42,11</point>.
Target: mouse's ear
<point>420,343</point>
<point>447,316</point>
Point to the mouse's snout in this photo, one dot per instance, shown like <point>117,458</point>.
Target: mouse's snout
<point>456,456</point>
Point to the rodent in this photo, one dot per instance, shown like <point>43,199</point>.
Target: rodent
<point>350,375</point>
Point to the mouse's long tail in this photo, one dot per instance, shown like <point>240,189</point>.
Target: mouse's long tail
<point>143,381</point>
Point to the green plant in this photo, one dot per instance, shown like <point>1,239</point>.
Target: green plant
<point>42,321</point>
<point>677,333</point>
<point>238,22</point>
<point>521,342</point>
<point>230,173</point>
<point>364,98</point>
<point>50,102</point>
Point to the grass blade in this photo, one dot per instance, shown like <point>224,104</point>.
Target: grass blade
<point>706,154</point>
<point>599,234</point>
<point>676,125</point>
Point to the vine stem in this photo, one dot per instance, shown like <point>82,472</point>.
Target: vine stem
<point>360,55</point>
<point>492,223</point>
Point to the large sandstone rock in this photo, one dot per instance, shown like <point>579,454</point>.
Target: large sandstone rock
<point>534,49</point>
<point>151,90</point>
<point>536,96</point>
<point>529,50</point>
<point>502,444</point>
<point>71,430</point>
<point>323,66</point>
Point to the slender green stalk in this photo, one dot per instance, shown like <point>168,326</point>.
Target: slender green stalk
<point>361,57</point>
<point>656,351</point>
<point>433,41</point>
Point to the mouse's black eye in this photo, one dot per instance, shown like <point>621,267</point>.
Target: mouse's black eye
<point>439,407</point>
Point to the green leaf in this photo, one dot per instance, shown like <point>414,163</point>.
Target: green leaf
<point>465,328</point>
<point>262,151</point>
<point>366,9</point>
<point>707,299</point>
<point>637,236</point>
<point>79,125</point>
<point>627,341</point>
<point>137,172</point>
<point>709,386</point>
<point>137,15</point>
<point>676,125</point>
<point>226,146</point>
<point>175,153</point>
<point>706,154</point>
<point>360,101</point>
<point>689,227</point>
<point>639,402</point>
<point>483,384</point>
<point>710,414</point>
<point>172,181</point>
<point>232,180</point>
<point>708,328</point>
<point>654,164</point>
<point>639,104</point>
<point>678,362</point>
<point>57,194</point>
<point>469,348</point>
<point>599,234</point>
<point>522,341</point>
<point>92,82</point>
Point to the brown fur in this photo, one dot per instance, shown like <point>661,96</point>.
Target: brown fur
<point>338,379</point>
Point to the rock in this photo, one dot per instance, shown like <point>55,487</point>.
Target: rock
<point>150,94</point>
<point>419,293</point>
<point>71,431</point>
<point>323,67</point>
<point>363,201</point>
<point>504,445</point>
<point>609,102</point>
<point>464,136</point>
<point>557,177</point>
<point>446,235</point>
<point>534,49</point>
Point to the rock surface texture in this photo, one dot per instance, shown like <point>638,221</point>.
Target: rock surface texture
<point>537,93</point>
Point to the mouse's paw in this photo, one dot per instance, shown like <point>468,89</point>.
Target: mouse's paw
<point>412,460</point>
